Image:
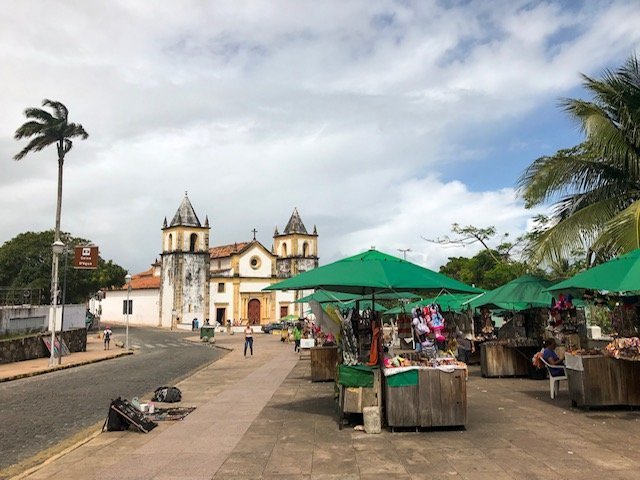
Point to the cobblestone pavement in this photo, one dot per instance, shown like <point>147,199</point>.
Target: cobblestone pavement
<point>261,417</point>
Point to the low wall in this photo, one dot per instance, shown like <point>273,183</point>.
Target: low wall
<point>32,346</point>
<point>27,318</point>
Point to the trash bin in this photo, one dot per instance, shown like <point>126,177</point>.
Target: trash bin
<point>207,331</point>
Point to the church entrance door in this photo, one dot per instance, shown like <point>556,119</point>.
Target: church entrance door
<point>253,311</point>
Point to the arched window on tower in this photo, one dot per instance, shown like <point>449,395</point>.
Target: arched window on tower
<point>170,246</point>
<point>284,249</point>
<point>305,249</point>
<point>193,240</point>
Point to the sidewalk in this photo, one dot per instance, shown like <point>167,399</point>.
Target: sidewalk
<point>261,417</point>
<point>95,353</point>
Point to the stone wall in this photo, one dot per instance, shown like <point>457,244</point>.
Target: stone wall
<point>32,346</point>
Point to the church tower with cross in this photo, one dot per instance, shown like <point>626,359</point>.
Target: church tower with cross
<point>184,269</point>
<point>295,248</point>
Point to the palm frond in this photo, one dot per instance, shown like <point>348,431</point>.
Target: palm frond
<point>575,232</point>
<point>622,232</point>
<point>35,145</point>
<point>75,130</point>
<point>61,111</point>
<point>572,170</point>
<point>28,129</point>
<point>40,114</point>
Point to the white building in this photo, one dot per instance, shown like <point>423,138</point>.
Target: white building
<point>223,283</point>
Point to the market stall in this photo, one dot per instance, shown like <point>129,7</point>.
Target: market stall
<point>611,376</point>
<point>507,351</point>
<point>425,393</point>
<point>607,378</point>
<point>360,340</point>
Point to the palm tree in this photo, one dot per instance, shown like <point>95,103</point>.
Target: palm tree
<point>46,129</point>
<point>596,184</point>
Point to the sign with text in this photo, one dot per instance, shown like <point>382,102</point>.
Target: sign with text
<point>86,257</point>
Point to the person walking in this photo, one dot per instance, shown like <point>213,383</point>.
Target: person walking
<point>107,337</point>
<point>297,335</point>
<point>248,340</point>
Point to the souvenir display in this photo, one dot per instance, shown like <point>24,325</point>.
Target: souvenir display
<point>624,348</point>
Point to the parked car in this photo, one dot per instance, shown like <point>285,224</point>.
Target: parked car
<point>269,327</point>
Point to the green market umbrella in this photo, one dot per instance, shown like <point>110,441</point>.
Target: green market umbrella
<point>371,272</point>
<point>523,292</point>
<point>289,318</point>
<point>363,304</point>
<point>325,296</point>
<point>447,301</point>
<point>622,274</point>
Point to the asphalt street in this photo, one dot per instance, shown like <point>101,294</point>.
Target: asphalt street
<point>40,412</point>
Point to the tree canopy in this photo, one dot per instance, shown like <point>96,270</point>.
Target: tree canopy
<point>25,262</point>
<point>596,184</point>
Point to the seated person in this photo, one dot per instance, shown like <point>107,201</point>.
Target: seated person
<point>551,357</point>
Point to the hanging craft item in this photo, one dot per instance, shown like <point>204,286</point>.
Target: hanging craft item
<point>348,340</point>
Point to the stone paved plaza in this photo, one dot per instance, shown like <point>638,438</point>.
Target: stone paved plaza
<point>261,417</point>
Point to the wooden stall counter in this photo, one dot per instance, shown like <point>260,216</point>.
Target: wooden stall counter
<point>498,360</point>
<point>426,397</point>
<point>324,362</point>
<point>598,381</point>
<point>359,387</point>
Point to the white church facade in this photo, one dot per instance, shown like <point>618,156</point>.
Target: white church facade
<point>192,280</point>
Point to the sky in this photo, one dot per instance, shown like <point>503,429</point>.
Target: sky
<point>382,122</point>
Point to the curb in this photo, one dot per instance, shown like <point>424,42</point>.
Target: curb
<point>62,367</point>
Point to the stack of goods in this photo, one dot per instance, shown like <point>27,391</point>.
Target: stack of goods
<point>398,361</point>
<point>624,348</point>
<point>515,342</point>
<point>585,351</point>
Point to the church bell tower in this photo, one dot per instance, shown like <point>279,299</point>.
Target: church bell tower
<point>185,258</point>
<point>296,249</point>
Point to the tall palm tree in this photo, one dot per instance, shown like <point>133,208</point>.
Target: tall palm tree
<point>45,129</point>
<point>595,185</point>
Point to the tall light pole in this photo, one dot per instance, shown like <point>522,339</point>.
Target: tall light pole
<point>127,280</point>
<point>404,252</point>
<point>64,299</point>
<point>57,247</point>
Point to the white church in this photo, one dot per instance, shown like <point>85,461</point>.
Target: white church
<point>223,283</point>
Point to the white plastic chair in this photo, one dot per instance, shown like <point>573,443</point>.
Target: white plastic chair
<point>554,382</point>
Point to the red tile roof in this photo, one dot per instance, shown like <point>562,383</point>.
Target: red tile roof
<point>144,280</point>
<point>227,250</point>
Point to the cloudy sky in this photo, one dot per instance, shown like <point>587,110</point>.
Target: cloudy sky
<point>382,122</point>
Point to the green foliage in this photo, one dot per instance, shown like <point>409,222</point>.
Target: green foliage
<point>25,262</point>
<point>596,184</point>
<point>483,270</point>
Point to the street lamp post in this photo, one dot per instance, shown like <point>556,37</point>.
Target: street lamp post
<point>404,252</point>
<point>64,300</point>
<point>127,280</point>
<point>57,247</point>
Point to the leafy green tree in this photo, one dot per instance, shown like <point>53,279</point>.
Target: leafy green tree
<point>25,262</point>
<point>596,184</point>
<point>483,270</point>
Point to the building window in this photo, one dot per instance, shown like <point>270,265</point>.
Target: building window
<point>305,249</point>
<point>170,246</point>
<point>284,249</point>
<point>255,263</point>
<point>193,240</point>
<point>219,264</point>
<point>221,287</point>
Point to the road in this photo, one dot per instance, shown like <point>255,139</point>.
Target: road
<point>40,412</point>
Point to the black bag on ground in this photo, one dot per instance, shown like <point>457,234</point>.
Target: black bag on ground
<point>122,414</point>
<point>167,394</point>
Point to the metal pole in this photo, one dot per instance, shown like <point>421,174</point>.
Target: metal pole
<point>54,305</point>
<point>404,252</point>
<point>64,299</point>
<point>126,342</point>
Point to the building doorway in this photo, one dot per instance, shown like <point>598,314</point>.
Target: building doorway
<point>253,311</point>
<point>284,311</point>
<point>220,316</point>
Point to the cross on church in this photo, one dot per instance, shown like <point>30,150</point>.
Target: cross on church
<point>254,233</point>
